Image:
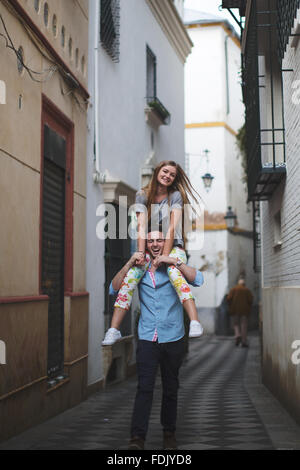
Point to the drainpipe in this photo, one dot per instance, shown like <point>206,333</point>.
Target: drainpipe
<point>227,112</point>
<point>98,176</point>
<point>227,74</point>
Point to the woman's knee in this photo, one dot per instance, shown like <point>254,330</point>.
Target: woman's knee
<point>179,253</point>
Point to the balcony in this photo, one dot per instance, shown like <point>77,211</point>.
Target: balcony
<point>287,12</point>
<point>241,4</point>
<point>263,98</point>
<point>156,113</point>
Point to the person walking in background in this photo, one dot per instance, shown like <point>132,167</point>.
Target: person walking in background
<point>240,301</point>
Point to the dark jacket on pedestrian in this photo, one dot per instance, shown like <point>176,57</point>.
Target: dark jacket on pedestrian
<point>240,300</point>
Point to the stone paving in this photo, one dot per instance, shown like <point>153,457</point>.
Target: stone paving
<point>222,405</point>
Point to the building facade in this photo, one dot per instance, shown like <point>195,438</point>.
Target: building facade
<point>271,58</point>
<point>43,296</point>
<point>136,120</point>
<point>214,114</point>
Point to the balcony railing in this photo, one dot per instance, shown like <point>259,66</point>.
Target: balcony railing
<point>159,110</point>
<point>262,93</point>
<point>256,237</point>
<point>287,11</point>
<point>110,27</point>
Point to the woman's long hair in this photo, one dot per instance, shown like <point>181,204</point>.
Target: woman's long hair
<point>181,183</point>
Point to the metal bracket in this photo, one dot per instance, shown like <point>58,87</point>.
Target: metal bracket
<point>235,19</point>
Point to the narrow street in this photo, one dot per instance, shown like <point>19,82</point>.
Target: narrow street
<point>222,405</point>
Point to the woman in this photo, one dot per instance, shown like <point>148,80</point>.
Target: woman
<point>167,191</point>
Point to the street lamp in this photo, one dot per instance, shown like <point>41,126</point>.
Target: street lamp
<point>230,218</point>
<point>207,180</point>
<point>232,227</point>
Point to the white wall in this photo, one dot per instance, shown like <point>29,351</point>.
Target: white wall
<point>223,255</point>
<point>212,138</point>
<point>212,260</point>
<point>281,266</point>
<point>204,76</point>
<point>125,137</point>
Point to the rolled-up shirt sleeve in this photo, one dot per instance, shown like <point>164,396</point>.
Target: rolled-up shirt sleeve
<point>111,290</point>
<point>198,281</point>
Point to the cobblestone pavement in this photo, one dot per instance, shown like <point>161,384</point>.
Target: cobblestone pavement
<point>222,405</point>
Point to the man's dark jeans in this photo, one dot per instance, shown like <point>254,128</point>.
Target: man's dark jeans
<point>149,356</point>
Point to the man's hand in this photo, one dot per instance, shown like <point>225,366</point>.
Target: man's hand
<point>136,258</point>
<point>164,259</point>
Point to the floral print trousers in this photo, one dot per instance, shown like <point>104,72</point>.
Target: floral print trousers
<point>136,273</point>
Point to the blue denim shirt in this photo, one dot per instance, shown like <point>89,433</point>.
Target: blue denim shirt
<point>161,309</point>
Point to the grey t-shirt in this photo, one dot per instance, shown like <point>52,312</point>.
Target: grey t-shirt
<point>160,213</point>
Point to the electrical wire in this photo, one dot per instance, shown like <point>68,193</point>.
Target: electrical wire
<point>32,73</point>
<point>10,45</point>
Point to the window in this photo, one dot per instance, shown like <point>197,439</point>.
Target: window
<point>154,105</point>
<point>37,4</point>
<point>117,252</point>
<point>54,25</point>
<point>263,98</point>
<point>83,65</point>
<point>46,14</point>
<point>20,60</point>
<point>151,74</point>
<point>63,36</point>
<point>110,27</point>
<point>77,58</point>
<point>70,48</point>
<point>277,230</point>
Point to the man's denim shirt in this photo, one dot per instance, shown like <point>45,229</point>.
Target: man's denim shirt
<point>161,309</point>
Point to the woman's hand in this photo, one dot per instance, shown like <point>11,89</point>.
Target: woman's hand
<point>138,259</point>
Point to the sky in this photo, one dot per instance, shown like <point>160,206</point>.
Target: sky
<point>211,6</point>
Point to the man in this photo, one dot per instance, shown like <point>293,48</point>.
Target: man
<point>161,340</point>
<point>240,301</point>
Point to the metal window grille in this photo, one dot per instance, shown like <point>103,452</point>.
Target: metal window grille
<point>287,11</point>
<point>262,92</point>
<point>53,243</point>
<point>110,28</point>
<point>251,100</point>
<point>256,237</point>
<point>117,253</point>
<point>151,73</point>
<point>151,98</point>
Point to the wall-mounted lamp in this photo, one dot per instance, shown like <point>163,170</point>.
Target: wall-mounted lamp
<point>230,218</point>
<point>231,224</point>
<point>207,178</point>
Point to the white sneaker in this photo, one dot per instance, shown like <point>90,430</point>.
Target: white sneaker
<point>112,335</point>
<point>196,329</point>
